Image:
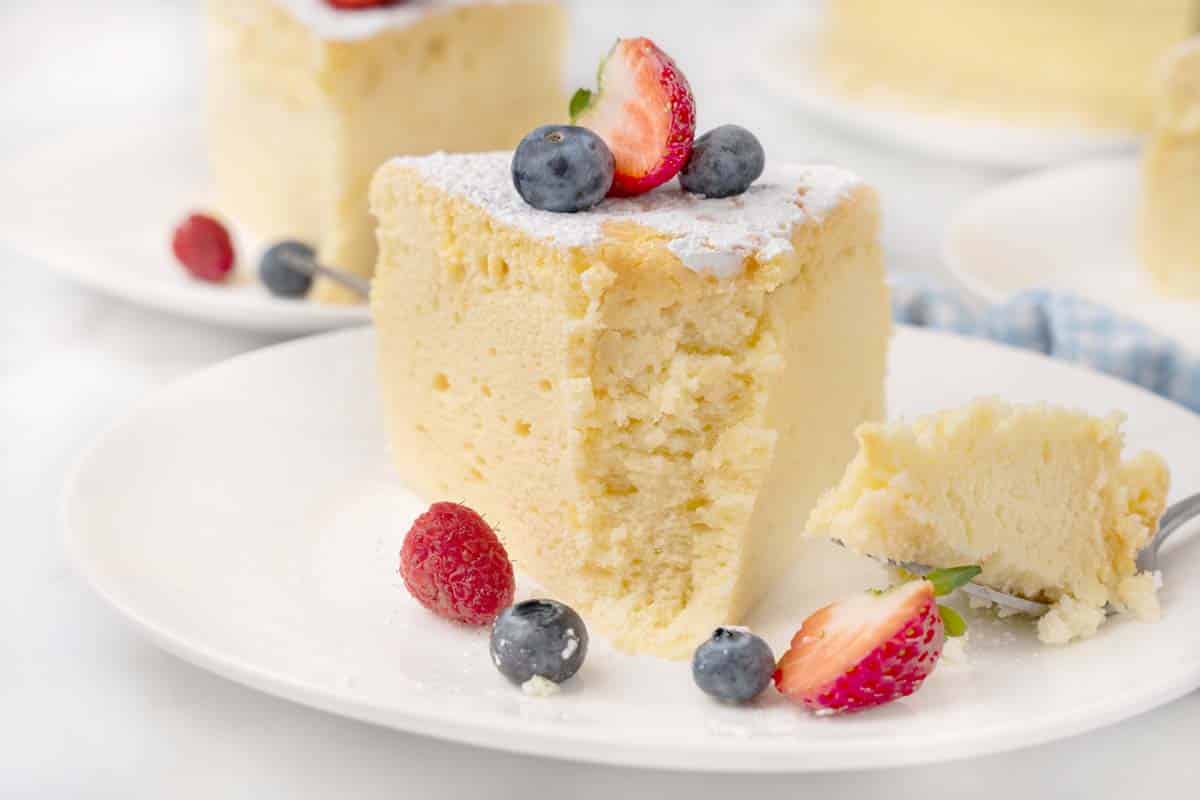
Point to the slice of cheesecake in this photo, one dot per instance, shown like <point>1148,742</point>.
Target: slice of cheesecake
<point>645,398</point>
<point>1053,62</point>
<point>1037,496</point>
<point>306,101</point>
<point>1169,221</point>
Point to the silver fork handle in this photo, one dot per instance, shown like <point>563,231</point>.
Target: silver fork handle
<point>1174,518</point>
<point>348,280</point>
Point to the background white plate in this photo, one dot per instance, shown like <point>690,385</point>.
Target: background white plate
<point>100,205</point>
<point>1070,229</point>
<point>784,58</point>
<point>248,520</point>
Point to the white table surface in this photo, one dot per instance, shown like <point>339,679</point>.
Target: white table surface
<point>89,709</point>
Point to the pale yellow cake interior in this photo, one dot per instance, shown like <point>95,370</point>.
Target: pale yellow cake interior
<point>298,124</point>
<point>1053,62</point>
<point>1038,496</point>
<point>647,440</point>
<point>1169,217</point>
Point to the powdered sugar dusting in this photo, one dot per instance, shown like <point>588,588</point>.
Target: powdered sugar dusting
<point>708,236</point>
<point>350,24</point>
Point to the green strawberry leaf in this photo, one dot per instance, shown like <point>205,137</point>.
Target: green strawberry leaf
<point>579,102</point>
<point>952,621</point>
<point>947,580</point>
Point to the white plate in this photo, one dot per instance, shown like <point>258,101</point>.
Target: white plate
<point>1070,229</point>
<point>784,58</point>
<point>248,520</point>
<point>99,206</point>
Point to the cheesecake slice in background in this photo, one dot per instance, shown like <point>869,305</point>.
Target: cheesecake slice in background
<point>307,100</point>
<point>1066,63</point>
<point>1038,496</point>
<point>1169,217</point>
<point>645,399</point>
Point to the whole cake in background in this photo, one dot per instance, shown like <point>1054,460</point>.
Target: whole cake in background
<point>306,100</point>
<point>1051,62</point>
<point>1169,223</point>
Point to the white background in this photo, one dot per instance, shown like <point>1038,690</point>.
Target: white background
<point>88,709</point>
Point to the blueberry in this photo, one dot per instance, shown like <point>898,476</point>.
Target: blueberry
<point>562,168</point>
<point>734,665</point>
<point>538,637</point>
<point>279,272</point>
<point>724,162</point>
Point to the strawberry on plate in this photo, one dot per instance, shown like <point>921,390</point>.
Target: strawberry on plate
<point>644,111</point>
<point>873,648</point>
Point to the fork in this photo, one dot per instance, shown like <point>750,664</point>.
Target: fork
<point>344,278</point>
<point>1173,519</point>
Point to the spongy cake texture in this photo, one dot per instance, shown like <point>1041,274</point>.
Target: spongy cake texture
<point>1038,496</point>
<point>647,438</point>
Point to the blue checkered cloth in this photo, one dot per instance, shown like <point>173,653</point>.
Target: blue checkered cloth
<point>1058,325</point>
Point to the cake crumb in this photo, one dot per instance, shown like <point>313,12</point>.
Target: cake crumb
<point>537,686</point>
<point>1069,619</point>
<point>954,651</point>
<point>978,602</point>
<point>1138,594</point>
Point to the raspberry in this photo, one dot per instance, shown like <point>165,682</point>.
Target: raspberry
<point>204,248</point>
<point>454,565</point>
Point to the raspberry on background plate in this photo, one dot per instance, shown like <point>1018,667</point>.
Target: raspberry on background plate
<point>204,247</point>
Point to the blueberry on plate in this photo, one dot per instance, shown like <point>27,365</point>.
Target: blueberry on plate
<point>562,168</point>
<point>282,271</point>
<point>733,665</point>
<point>724,162</point>
<point>538,637</point>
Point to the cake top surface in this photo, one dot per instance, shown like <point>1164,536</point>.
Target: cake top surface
<point>708,236</point>
<point>350,24</point>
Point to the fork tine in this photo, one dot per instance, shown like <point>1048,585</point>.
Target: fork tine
<point>1172,520</point>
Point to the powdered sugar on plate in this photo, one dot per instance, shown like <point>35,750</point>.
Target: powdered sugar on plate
<point>708,236</point>
<point>537,686</point>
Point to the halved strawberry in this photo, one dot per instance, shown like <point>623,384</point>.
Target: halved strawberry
<point>873,648</point>
<point>644,111</point>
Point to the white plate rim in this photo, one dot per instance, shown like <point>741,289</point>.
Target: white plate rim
<point>962,139</point>
<point>536,738</point>
<point>953,233</point>
<point>1110,223</point>
<point>227,305</point>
